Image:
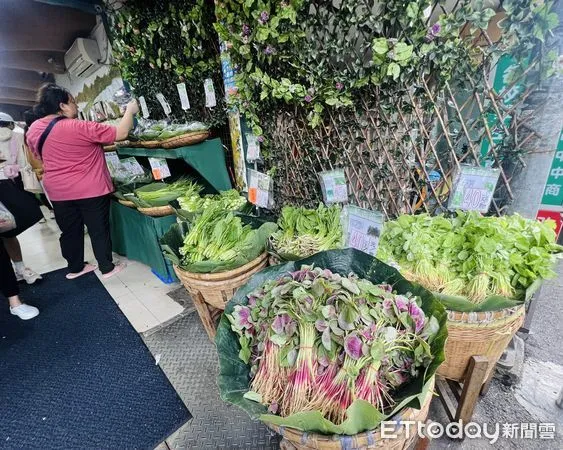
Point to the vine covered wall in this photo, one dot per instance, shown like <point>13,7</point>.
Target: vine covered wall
<point>159,44</point>
<point>399,93</point>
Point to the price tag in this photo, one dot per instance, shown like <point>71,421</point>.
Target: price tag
<point>473,188</point>
<point>334,186</point>
<point>113,163</point>
<point>362,228</point>
<point>144,107</point>
<point>253,149</point>
<point>183,93</point>
<point>260,191</point>
<point>165,106</point>
<point>160,169</point>
<point>132,166</point>
<point>210,100</point>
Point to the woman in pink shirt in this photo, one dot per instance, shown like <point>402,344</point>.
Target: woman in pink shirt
<point>76,177</point>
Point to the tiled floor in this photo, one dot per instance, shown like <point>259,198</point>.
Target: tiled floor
<point>140,294</point>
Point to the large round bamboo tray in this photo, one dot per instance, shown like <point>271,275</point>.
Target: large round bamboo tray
<point>127,203</point>
<point>296,440</point>
<point>157,211</point>
<point>210,292</point>
<point>478,334</point>
<point>150,144</point>
<point>185,139</point>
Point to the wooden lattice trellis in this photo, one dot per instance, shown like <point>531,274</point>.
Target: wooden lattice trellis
<point>403,161</point>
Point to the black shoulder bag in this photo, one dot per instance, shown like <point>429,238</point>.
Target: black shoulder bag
<point>46,133</point>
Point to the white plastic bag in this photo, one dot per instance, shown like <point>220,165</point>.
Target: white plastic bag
<point>7,220</point>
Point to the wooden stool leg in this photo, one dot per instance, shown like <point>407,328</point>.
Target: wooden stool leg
<point>487,384</point>
<point>204,315</point>
<point>472,384</point>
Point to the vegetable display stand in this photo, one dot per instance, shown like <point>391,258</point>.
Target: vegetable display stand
<point>484,334</point>
<point>211,291</point>
<point>294,439</point>
<point>207,158</point>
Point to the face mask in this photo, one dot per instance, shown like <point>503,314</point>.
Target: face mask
<point>5,134</point>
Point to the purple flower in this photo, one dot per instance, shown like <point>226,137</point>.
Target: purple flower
<point>433,32</point>
<point>264,17</point>
<point>245,30</point>
<point>251,300</point>
<point>339,85</point>
<point>308,98</point>
<point>353,346</point>
<point>269,50</point>
<point>402,303</point>
<point>260,138</point>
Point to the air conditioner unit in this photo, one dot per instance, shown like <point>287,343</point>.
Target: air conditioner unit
<point>83,57</point>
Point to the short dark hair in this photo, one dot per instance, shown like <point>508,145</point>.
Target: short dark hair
<point>49,98</point>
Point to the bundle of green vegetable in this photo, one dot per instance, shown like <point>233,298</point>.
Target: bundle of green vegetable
<point>470,255</point>
<point>326,350</point>
<point>304,232</point>
<point>229,200</point>
<point>217,241</point>
<point>160,194</point>
<point>161,130</point>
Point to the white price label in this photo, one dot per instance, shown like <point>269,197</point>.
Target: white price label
<point>132,166</point>
<point>362,228</point>
<point>165,106</point>
<point>183,93</point>
<point>260,189</point>
<point>253,149</point>
<point>473,188</point>
<point>334,186</point>
<point>113,163</point>
<point>210,100</point>
<point>160,169</point>
<point>144,107</point>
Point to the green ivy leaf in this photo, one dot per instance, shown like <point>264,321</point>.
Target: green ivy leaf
<point>380,46</point>
<point>394,70</point>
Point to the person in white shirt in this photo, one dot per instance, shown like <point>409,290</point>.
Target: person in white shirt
<point>12,156</point>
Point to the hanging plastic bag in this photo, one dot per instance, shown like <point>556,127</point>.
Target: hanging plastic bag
<point>7,220</point>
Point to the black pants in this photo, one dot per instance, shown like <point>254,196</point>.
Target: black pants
<point>8,282</point>
<point>71,216</point>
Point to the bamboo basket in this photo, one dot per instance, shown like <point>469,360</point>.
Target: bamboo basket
<point>127,203</point>
<point>478,334</point>
<point>296,440</point>
<point>157,211</point>
<point>185,139</point>
<point>210,292</point>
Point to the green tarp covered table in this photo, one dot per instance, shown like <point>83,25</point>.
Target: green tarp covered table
<point>137,237</point>
<point>207,158</point>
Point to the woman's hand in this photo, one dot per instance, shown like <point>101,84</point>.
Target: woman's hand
<point>126,122</point>
<point>132,107</point>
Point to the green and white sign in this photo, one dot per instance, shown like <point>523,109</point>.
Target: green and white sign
<point>473,188</point>
<point>334,186</point>
<point>362,228</point>
<point>553,191</point>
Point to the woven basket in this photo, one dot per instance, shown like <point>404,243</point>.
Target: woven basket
<point>478,334</point>
<point>210,292</point>
<point>157,211</point>
<point>127,203</point>
<point>185,139</point>
<point>110,148</point>
<point>296,440</point>
<point>150,144</point>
